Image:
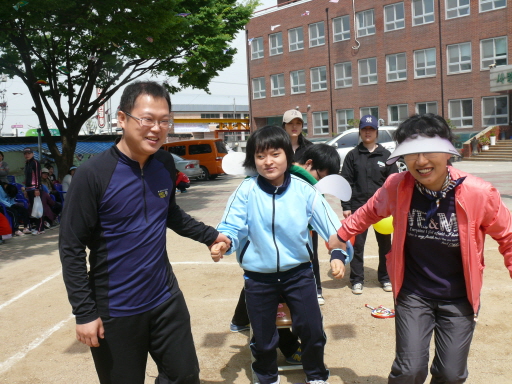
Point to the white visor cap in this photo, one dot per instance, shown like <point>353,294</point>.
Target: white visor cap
<point>422,144</point>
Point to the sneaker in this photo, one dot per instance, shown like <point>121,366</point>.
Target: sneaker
<point>18,233</point>
<point>357,288</point>
<point>35,232</point>
<point>239,328</point>
<point>321,300</point>
<point>317,382</point>
<point>296,358</point>
<point>387,287</point>
<point>47,225</point>
<point>26,231</point>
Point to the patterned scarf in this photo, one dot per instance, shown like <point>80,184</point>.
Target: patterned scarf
<point>436,196</point>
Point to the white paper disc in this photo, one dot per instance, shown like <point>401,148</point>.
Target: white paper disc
<point>335,185</point>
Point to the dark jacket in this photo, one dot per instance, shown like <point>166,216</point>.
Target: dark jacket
<point>366,172</point>
<point>303,145</point>
<point>32,175</point>
<point>121,213</point>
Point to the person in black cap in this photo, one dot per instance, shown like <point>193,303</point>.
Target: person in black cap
<point>366,171</point>
<point>33,185</point>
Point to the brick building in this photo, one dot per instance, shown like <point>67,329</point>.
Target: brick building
<point>338,60</point>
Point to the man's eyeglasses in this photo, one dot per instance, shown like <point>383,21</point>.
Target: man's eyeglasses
<point>146,122</point>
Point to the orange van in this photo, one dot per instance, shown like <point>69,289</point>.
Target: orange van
<point>209,152</point>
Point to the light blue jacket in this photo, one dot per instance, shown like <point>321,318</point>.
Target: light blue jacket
<point>6,200</point>
<point>268,226</point>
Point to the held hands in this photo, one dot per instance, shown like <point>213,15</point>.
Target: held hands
<point>338,268</point>
<point>89,333</point>
<point>346,214</point>
<point>218,250</point>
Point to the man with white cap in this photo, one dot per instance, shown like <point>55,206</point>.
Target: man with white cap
<point>441,216</point>
<point>366,171</point>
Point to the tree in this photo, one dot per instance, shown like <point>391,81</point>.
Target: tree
<point>64,49</point>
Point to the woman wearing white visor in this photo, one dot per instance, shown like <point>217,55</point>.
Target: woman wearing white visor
<point>441,216</point>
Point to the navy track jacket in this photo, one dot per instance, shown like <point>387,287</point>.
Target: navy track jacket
<point>121,213</point>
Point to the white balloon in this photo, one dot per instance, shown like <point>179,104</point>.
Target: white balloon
<point>232,164</point>
<point>335,185</point>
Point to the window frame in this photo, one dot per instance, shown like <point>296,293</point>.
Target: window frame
<point>396,72</point>
<point>343,79</point>
<point>495,116</point>
<point>297,42</point>
<point>321,127</point>
<point>462,117</point>
<point>280,89</point>
<point>426,107</point>
<point>299,85</point>
<point>491,2</point>
<point>257,41</point>
<point>312,76</point>
<point>343,127</point>
<point>399,107</point>
<point>359,62</point>
<point>424,15</point>
<point>260,91</point>
<point>277,49</point>
<point>319,39</point>
<point>387,23</point>
<point>486,66</point>
<point>427,67</point>
<point>458,8</point>
<point>342,32</point>
<point>369,112</point>
<point>460,63</point>
<point>368,27</point>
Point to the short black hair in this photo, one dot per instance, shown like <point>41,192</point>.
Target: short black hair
<point>11,190</point>
<point>267,137</point>
<point>323,156</point>
<point>134,90</point>
<point>428,125</point>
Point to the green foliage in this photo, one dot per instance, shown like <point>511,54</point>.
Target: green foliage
<point>494,131</point>
<point>77,45</point>
<point>450,124</point>
<point>484,140</point>
<point>353,123</point>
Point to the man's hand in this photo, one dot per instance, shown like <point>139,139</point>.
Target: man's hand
<point>346,214</point>
<point>218,250</point>
<point>335,243</point>
<point>338,268</point>
<point>89,333</point>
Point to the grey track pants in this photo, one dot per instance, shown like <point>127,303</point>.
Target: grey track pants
<point>453,326</point>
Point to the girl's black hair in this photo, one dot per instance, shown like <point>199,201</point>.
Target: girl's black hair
<point>11,190</point>
<point>427,125</point>
<point>324,157</point>
<point>268,137</point>
<point>301,139</point>
<point>135,89</point>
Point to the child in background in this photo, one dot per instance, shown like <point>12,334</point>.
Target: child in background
<point>267,220</point>
<point>182,181</point>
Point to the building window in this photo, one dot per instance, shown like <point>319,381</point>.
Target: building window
<point>398,113</point>
<point>258,88</point>
<point>341,28</point>
<point>318,79</point>
<point>343,74</point>
<point>457,8</point>
<point>461,112</point>
<point>231,116</point>
<point>276,43</point>
<point>321,123</point>
<point>459,58</point>
<point>368,71</point>
<point>316,34</point>
<point>396,67</point>
<point>425,63</point>
<point>277,84</point>
<point>296,39</point>
<point>428,107</point>
<point>422,12</point>
<point>493,51</point>
<point>394,17</point>
<point>365,23</point>
<point>210,115</point>
<point>495,110</point>
<point>374,111</point>
<point>491,5</point>
<point>257,48</point>
<point>298,81</point>
<point>342,117</point>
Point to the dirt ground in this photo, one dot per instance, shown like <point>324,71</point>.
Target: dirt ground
<point>37,329</point>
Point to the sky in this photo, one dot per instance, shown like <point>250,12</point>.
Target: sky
<point>229,88</point>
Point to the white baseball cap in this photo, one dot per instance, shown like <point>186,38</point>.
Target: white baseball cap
<point>422,144</point>
<point>292,114</point>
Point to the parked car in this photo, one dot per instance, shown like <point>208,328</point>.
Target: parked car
<point>191,168</point>
<point>350,138</point>
<point>209,152</point>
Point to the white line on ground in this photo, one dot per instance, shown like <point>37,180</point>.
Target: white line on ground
<point>30,290</point>
<point>34,344</point>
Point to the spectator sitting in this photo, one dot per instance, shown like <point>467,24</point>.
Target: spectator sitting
<point>17,210</point>
<point>182,181</point>
<point>4,169</point>
<point>47,183</point>
<point>67,179</point>
<point>51,210</point>
<point>51,175</point>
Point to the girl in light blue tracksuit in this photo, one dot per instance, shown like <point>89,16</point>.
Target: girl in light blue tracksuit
<point>267,220</point>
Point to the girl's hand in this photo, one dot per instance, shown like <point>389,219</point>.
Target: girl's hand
<point>218,250</point>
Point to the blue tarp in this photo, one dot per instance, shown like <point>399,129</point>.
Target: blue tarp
<point>83,148</point>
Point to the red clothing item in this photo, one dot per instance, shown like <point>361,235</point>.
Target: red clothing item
<point>182,177</point>
<point>480,212</point>
<point>5,228</point>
